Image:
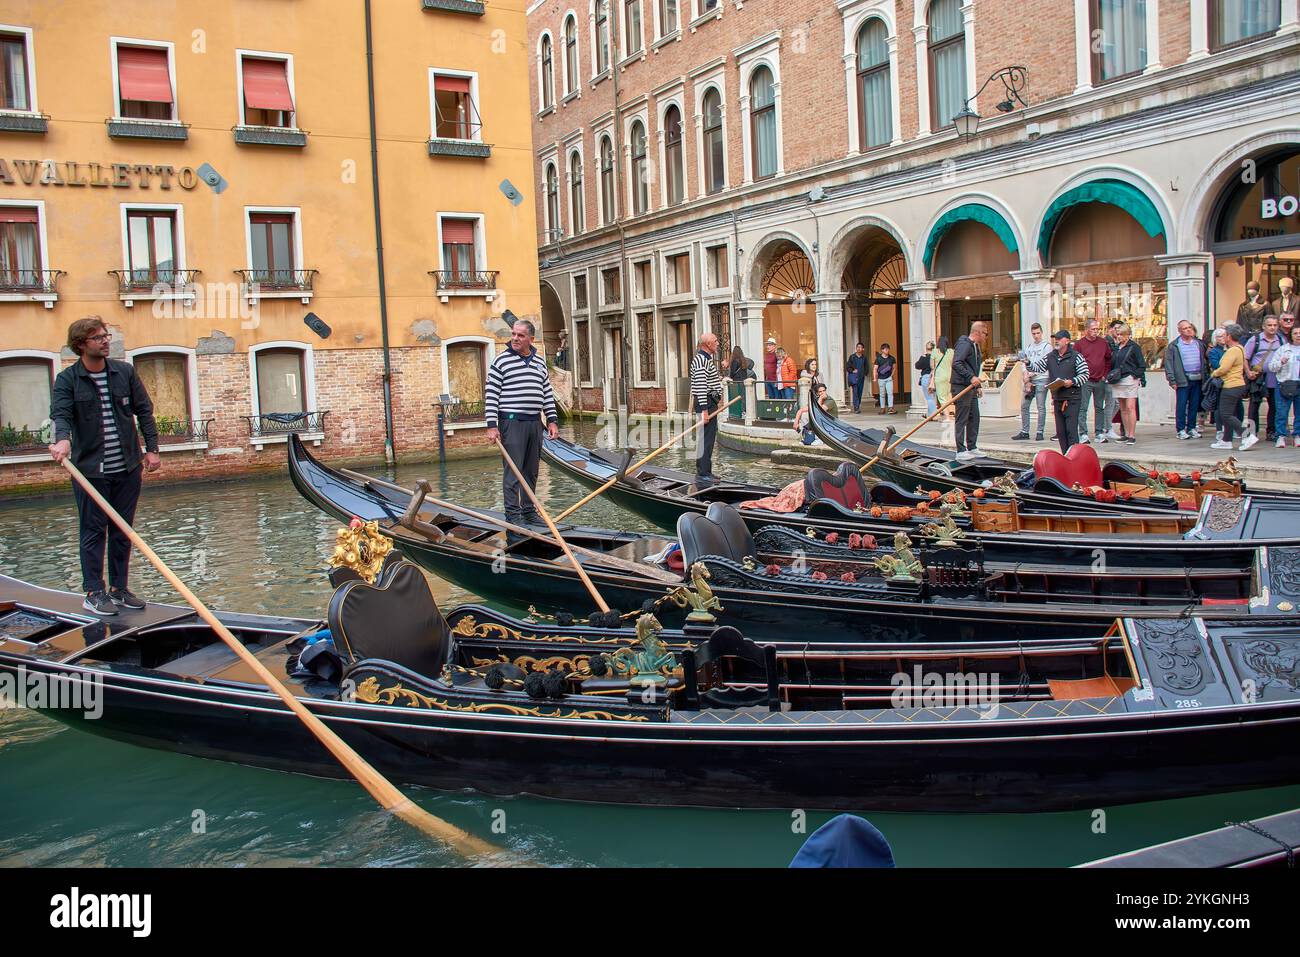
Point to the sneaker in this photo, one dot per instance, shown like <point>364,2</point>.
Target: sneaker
<point>1084,438</point>
<point>1220,444</point>
<point>1112,435</point>
<point>1129,440</point>
<point>1218,435</point>
<point>1021,436</point>
<point>1248,442</point>
<point>1296,440</point>
<point>965,456</point>
<point>978,453</point>
<point>1194,433</point>
<point>1183,434</point>
<point>123,598</point>
<point>99,603</point>
<point>1101,438</point>
<point>1281,442</point>
<point>1039,438</point>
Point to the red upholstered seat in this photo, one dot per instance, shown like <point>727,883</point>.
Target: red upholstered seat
<point>844,487</point>
<point>1077,466</point>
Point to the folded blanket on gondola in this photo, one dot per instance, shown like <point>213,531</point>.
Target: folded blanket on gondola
<point>789,499</point>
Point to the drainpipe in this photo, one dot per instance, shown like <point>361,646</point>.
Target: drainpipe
<point>389,457</point>
<point>624,273</point>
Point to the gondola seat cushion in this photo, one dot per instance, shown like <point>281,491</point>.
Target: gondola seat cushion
<point>1079,466</point>
<point>396,619</point>
<point>737,531</point>
<point>702,535</point>
<point>845,487</point>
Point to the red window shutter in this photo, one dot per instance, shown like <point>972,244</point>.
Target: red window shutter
<point>18,214</point>
<point>451,84</point>
<point>459,232</point>
<point>266,85</point>
<point>142,74</point>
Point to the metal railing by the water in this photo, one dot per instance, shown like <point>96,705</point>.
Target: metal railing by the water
<point>180,431</point>
<point>285,423</point>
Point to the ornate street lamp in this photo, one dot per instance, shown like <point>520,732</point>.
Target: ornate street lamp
<point>1014,80</point>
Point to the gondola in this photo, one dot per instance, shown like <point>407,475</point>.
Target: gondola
<point>777,579</point>
<point>477,700</point>
<point>1271,842</point>
<point>1223,532</point>
<point>1063,482</point>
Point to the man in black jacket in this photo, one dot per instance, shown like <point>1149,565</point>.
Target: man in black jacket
<point>96,403</point>
<point>1067,371</point>
<point>967,360</point>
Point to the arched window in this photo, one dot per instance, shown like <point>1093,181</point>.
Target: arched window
<point>762,105</point>
<point>715,156</point>
<point>602,35</point>
<point>548,76</point>
<point>1236,21</point>
<point>570,54</point>
<point>875,98</point>
<point>673,159</point>
<point>1118,29</point>
<point>606,180</point>
<point>576,198</point>
<point>640,189</point>
<point>947,62</point>
<point>552,204</point>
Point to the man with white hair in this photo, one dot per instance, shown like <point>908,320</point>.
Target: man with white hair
<point>706,396</point>
<point>516,398</point>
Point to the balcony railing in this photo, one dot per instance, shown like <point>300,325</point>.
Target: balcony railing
<point>457,412</point>
<point>273,424</point>
<point>276,280</point>
<point>137,129</point>
<point>475,7</point>
<point>24,122</point>
<point>22,441</point>
<point>32,281</point>
<point>270,136</point>
<point>457,146</point>
<point>158,281</point>
<point>182,431</point>
<point>465,278</point>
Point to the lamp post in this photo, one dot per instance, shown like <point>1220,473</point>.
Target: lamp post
<point>1014,79</point>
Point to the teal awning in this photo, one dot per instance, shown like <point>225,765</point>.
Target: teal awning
<point>1112,191</point>
<point>980,213</point>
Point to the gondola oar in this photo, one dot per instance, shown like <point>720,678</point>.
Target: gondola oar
<point>928,419</point>
<point>380,788</point>
<point>577,565</point>
<point>645,461</point>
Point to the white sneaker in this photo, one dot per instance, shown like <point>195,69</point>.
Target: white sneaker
<point>965,456</point>
<point>978,453</point>
<point>1220,444</point>
<point>1218,435</point>
<point>1248,442</point>
<point>1112,435</point>
<point>1084,438</point>
<point>1194,433</point>
<point>1296,440</point>
<point>1281,442</point>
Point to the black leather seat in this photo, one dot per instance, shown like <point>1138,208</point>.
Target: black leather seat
<point>735,528</point>
<point>396,619</point>
<point>727,642</point>
<point>714,534</point>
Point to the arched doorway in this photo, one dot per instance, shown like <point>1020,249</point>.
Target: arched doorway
<point>875,312</point>
<point>554,329</point>
<point>786,284</point>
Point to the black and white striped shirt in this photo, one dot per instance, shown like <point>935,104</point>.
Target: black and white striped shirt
<point>113,460</point>
<point>1057,366</point>
<point>705,381</point>
<point>520,385</point>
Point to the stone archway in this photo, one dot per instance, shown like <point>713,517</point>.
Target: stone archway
<point>873,274</point>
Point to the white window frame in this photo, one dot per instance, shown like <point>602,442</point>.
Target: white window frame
<point>921,38</point>
<point>552,232</point>
<point>664,256</point>
<point>638,380</point>
<point>713,75</point>
<point>191,385</point>
<point>480,255</point>
<point>55,362</point>
<point>603,134</point>
<point>542,108</point>
<point>597,76</point>
<point>50,298</point>
<point>662,103</point>
<point>489,353</point>
<point>591,359</point>
<point>625,33</point>
<point>641,114</point>
<point>573,296</point>
<point>699,14</point>
<point>855,14</point>
<point>602,305</point>
<point>287,60</point>
<point>434,73</point>
<point>643,297</point>
<point>29,52</point>
<point>570,149</point>
<point>308,389</point>
<point>572,84</point>
<point>113,44</point>
<point>765,51</point>
<point>660,36</point>
<point>178,211</point>
<point>296,212</point>
<point>705,246</point>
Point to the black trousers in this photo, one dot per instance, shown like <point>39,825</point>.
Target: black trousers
<point>1067,421</point>
<point>1229,414</point>
<point>968,420</point>
<point>1256,401</point>
<point>122,492</point>
<point>522,439</point>
<point>704,463</point>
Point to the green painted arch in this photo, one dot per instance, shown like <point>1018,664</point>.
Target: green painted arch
<point>978,212</point>
<point>1111,191</point>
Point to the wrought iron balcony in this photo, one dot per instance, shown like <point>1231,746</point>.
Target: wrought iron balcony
<point>274,424</point>
<point>278,280</point>
<point>465,278</point>
<point>17,121</point>
<point>160,282</point>
<point>22,441</point>
<point>447,146</point>
<point>135,129</point>
<point>475,7</point>
<point>182,431</point>
<point>270,136</point>
<point>31,281</point>
<point>457,412</point>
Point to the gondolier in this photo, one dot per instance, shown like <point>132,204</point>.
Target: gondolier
<point>966,365</point>
<point>706,396</point>
<point>1067,373</point>
<point>96,402</point>
<point>518,394</point>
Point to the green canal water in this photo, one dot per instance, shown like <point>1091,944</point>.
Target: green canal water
<point>71,798</point>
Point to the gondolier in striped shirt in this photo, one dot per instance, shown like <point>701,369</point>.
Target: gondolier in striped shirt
<point>518,394</point>
<point>706,396</point>
<point>1067,372</point>
<point>96,404</point>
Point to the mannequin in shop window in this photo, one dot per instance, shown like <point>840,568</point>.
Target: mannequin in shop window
<point>1251,313</point>
<point>1287,304</point>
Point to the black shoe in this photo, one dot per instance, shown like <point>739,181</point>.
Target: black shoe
<point>99,603</point>
<point>1039,437</point>
<point>530,518</point>
<point>1129,440</point>
<point>1020,437</point>
<point>123,598</point>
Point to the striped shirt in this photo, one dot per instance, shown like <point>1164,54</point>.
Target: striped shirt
<point>518,385</point>
<point>1055,364</point>
<point>113,460</point>
<point>705,382</point>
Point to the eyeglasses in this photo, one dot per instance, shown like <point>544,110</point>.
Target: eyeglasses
<point>102,337</point>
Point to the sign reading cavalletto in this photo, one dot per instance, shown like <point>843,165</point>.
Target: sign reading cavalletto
<point>118,175</point>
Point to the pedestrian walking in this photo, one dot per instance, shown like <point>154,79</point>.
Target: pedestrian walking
<point>856,369</point>
<point>1035,383</point>
<point>967,361</point>
<point>95,406</point>
<point>941,373</point>
<point>1096,351</point>
<point>1261,385</point>
<point>923,366</point>
<point>706,396</point>
<point>770,368</point>
<point>1285,365</point>
<point>884,364</point>
<point>1067,373</point>
<point>1231,372</point>
<point>1187,365</point>
<point>787,376</point>
<point>1126,377</point>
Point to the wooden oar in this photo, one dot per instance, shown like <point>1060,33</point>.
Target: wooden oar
<point>645,461</point>
<point>577,565</point>
<point>380,788</point>
<point>928,419</point>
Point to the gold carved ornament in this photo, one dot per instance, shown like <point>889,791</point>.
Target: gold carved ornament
<point>369,692</point>
<point>362,548</point>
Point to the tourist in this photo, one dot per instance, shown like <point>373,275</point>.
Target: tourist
<point>770,367</point>
<point>1066,372</point>
<point>856,369</point>
<point>940,373</point>
<point>884,377</point>
<point>1231,372</point>
<point>809,376</point>
<point>517,395</point>
<point>786,375</point>
<point>1096,351</point>
<point>967,362</point>
<point>738,368</point>
<point>1260,383</point>
<point>1127,376</point>
<point>824,402</point>
<point>923,366</point>
<point>1211,386</point>
<point>1285,365</point>
<point>1035,384</point>
<point>706,396</point>
<point>1112,410</point>
<point>95,405</point>
<point>1186,366</point>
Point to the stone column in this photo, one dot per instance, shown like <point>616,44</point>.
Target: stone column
<point>1036,302</point>
<point>1082,47</point>
<point>855,107</point>
<point>749,336</point>
<point>1200,33</point>
<point>830,340</point>
<point>894,108</point>
<point>1185,281</point>
<point>922,324</point>
<point>920,33</point>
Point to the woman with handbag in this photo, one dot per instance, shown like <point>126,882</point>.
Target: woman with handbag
<point>1286,366</point>
<point>940,373</point>
<point>923,367</point>
<point>1127,375</point>
<point>1231,370</point>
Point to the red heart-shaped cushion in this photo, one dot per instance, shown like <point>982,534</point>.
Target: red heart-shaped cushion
<point>1079,465</point>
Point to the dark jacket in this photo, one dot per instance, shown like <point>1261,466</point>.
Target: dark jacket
<point>966,364</point>
<point>1070,366</point>
<point>1128,360</point>
<point>78,415</point>
<point>1174,372</point>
